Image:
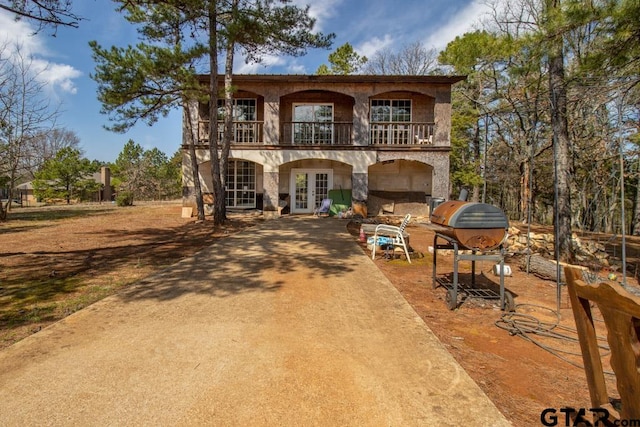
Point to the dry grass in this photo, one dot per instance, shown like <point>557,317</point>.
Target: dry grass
<point>57,260</point>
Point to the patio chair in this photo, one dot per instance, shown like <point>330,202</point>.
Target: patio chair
<point>324,208</point>
<point>620,310</point>
<point>397,235</point>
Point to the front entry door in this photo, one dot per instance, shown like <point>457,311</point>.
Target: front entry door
<point>308,188</point>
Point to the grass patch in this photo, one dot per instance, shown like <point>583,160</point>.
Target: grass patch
<point>57,213</point>
<point>60,259</point>
<point>25,302</point>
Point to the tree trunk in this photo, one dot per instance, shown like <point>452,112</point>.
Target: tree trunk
<point>195,169</point>
<point>228,97</point>
<point>559,125</point>
<point>196,182</point>
<point>524,190</point>
<point>475,192</point>
<point>219,212</point>
<point>636,212</point>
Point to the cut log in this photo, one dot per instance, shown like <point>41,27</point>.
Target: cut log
<point>545,268</point>
<point>542,267</point>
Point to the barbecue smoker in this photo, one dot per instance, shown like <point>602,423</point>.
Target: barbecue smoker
<point>477,227</point>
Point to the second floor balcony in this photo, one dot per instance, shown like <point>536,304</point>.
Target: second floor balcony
<point>325,134</point>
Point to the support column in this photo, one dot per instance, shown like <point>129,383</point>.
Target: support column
<point>359,186</point>
<point>440,180</point>
<point>442,118</point>
<point>361,120</point>
<point>271,119</point>
<point>271,184</point>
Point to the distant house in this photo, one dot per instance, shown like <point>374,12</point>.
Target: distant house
<point>24,192</point>
<point>298,139</point>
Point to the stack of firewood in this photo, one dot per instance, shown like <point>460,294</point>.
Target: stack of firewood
<point>541,247</point>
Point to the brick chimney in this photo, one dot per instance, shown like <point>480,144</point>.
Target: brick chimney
<point>105,178</point>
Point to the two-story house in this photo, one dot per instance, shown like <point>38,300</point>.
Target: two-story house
<point>298,137</point>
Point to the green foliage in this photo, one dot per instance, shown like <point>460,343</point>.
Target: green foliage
<point>146,174</point>
<point>65,176</point>
<point>159,74</point>
<point>344,61</point>
<point>124,198</point>
<point>174,170</point>
<point>143,82</point>
<point>617,50</point>
<point>508,66</point>
<point>468,52</point>
<point>464,165</point>
<point>147,81</point>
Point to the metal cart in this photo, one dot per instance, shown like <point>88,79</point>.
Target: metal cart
<point>454,288</point>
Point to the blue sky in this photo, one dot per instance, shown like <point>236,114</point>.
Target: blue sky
<point>66,64</point>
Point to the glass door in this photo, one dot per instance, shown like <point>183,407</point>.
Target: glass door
<point>309,187</point>
<point>312,124</point>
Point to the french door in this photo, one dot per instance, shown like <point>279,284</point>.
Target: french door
<point>312,124</point>
<point>308,188</point>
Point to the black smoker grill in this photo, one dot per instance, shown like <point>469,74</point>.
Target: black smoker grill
<point>480,228</point>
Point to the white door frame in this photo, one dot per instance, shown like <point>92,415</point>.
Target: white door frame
<point>309,204</point>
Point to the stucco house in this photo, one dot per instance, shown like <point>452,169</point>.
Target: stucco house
<point>298,139</point>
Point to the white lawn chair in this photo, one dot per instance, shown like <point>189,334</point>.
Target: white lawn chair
<point>395,233</point>
<point>324,208</point>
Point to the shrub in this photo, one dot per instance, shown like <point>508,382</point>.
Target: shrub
<point>124,198</point>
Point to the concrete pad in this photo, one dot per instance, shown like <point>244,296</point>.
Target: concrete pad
<point>289,323</point>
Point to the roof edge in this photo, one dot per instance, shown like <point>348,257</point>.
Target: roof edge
<point>352,78</point>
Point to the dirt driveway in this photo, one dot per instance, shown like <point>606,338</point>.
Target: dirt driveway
<point>271,326</point>
<point>72,258</point>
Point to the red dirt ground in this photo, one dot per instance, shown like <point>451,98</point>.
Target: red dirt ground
<point>54,264</point>
<point>510,356</point>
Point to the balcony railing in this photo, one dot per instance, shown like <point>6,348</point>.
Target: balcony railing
<point>317,133</point>
<point>244,132</point>
<point>405,133</point>
<point>326,133</point>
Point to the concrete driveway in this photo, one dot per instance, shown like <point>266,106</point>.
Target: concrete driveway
<point>289,323</point>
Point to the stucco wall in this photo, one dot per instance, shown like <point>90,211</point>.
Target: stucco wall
<point>423,168</point>
<point>401,175</point>
<point>418,173</point>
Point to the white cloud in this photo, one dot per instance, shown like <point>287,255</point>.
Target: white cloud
<point>14,32</point>
<point>460,22</point>
<point>240,65</point>
<point>296,68</point>
<point>60,76</point>
<point>321,11</point>
<point>371,46</point>
<point>20,35</point>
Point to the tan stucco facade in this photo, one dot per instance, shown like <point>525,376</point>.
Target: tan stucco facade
<point>354,160</point>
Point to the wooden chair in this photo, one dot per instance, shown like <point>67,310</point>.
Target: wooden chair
<point>621,312</point>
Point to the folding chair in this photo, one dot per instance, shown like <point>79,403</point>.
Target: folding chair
<point>395,233</point>
<point>620,310</point>
<point>324,208</point>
